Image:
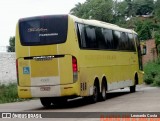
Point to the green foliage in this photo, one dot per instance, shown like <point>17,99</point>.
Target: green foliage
<point>120,13</point>
<point>152,72</point>
<point>158,48</point>
<point>11,47</point>
<point>144,7</point>
<point>117,12</point>
<point>144,30</point>
<point>157,38</point>
<point>145,33</point>
<point>8,93</point>
<point>157,9</point>
<point>94,9</point>
<point>157,80</point>
<point>129,9</point>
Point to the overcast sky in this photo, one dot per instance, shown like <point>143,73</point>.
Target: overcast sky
<point>12,10</point>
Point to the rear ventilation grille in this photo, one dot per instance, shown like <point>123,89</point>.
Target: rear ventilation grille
<point>83,86</point>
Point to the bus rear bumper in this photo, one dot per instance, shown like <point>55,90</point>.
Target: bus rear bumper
<point>49,91</point>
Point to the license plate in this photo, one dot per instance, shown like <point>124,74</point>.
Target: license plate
<point>45,88</point>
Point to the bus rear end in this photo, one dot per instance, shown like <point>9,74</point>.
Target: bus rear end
<point>43,69</point>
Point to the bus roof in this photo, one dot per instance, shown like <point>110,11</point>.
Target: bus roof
<point>101,24</point>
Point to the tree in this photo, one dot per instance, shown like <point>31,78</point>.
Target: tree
<point>123,13</point>
<point>157,10</point>
<point>11,47</point>
<point>143,7</point>
<point>157,41</point>
<point>129,10</point>
<point>157,38</point>
<point>120,13</point>
<point>144,30</point>
<point>95,9</point>
<point>78,10</point>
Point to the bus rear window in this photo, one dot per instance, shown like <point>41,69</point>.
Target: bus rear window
<point>44,30</point>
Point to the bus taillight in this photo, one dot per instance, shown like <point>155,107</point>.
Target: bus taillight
<point>17,70</point>
<point>75,69</point>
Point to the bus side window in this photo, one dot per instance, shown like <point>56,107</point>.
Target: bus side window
<point>90,37</point>
<point>107,33</point>
<point>81,36</point>
<point>100,38</point>
<point>78,34</point>
<point>131,42</point>
<point>123,43</point>
<point>116,39</point>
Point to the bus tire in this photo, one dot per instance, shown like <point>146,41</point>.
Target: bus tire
<point>46,102</point>
<point>132,89</point>
<point>94,97</point>
<point>103,95</point>
<point>59,101</point>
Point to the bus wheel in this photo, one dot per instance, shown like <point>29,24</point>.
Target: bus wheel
<point>94,97</point>
<point>59,101</point>
<point>46,102</point>
<point>103,92</point>
<point>132,88</point>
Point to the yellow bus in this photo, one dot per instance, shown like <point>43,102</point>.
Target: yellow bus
<point>61,56</point>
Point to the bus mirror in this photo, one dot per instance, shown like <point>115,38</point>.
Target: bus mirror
<point>144,49</point>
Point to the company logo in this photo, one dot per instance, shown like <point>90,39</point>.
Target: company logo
<point>43,58</point>
<point>37,30</point>
<point>50,34</point>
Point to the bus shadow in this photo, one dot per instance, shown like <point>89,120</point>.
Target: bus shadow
<point>115,94</point>
<point>83,101</point>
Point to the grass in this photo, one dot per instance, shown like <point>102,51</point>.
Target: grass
<point>152,73</point>
<point>8,93</point>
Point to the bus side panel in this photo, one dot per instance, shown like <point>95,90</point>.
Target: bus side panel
<point>87,78</point>
<point>70,49</point>
<point>65,69</point>
<point>140,77</point>
<point>118,71</point>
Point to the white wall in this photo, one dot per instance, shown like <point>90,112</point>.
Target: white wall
<point>7,68</point>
